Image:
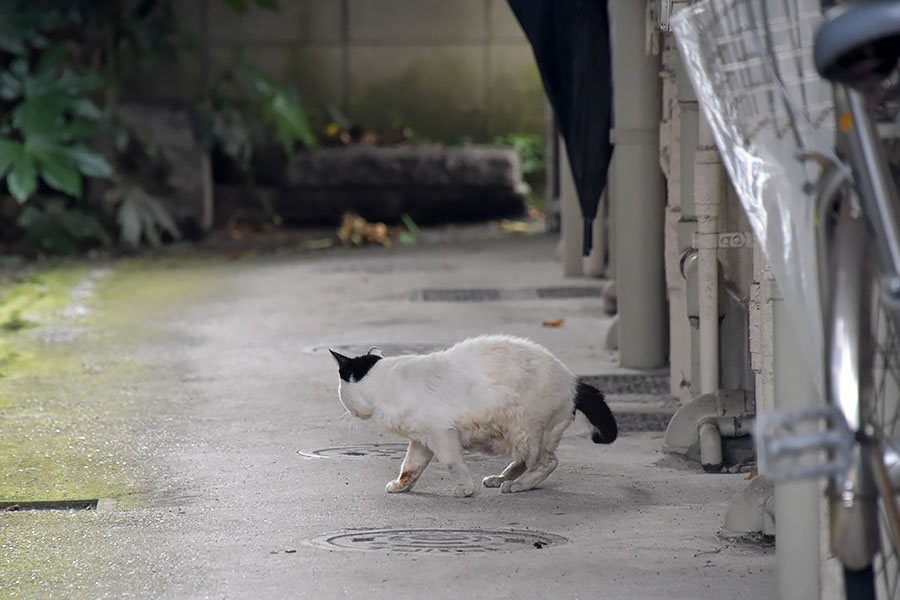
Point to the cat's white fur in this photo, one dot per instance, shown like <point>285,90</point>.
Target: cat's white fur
<point>493,394</point>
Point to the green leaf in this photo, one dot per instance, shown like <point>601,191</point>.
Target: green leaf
<point>291,122</point>
<point>41,115</point>
<point>239,6</point>
<point>10,86</point>
<point>78,129</point>
<point>51,59</point>
<point>85,108</point>
<point>269,4</point>
<point>90,163</point>
<point>61,176</point>
<point>10,152</point>
<point>22,180</point>
<point>130,222</point>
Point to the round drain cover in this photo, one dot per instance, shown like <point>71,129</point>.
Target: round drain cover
<point>397,451</point>
<point>390,451</point>
<point>451,541</point>
<point>386,348</point>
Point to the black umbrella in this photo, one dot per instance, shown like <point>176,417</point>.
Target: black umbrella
<point>570,39</point>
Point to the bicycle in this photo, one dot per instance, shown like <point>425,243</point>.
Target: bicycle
<point>756,67</point>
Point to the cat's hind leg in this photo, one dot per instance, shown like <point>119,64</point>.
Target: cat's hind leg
<point>533,475</point>
<point>541,460</point>
<point>513,470</point>
<point>417,458</point>
<point>448,449</point>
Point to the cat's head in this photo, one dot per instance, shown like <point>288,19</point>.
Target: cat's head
<point>352,371</point>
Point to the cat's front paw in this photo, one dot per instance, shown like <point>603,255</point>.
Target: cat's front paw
<point>464,490</point>
<point>396,486</point>
<point>493,481</point>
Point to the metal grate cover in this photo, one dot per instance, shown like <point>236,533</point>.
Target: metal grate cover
<point>14,506</point>
<point>460,295</point>
<point>625,384</point>
<point>561,293</point>
<point>442,541</point>
<point>495,294</point>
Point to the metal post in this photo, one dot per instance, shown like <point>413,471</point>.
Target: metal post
<point>571,223</point>
<point>796,503</point>
<point>639,190</point>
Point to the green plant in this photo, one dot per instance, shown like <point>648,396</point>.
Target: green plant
<point>243,6</point>
<point>55,227</point>
<point>142,216</point>
<point>279,107</point>
<point>530,148</point>
<point>42,136</point>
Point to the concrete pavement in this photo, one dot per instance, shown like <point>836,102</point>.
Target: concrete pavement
<point>244,467</point>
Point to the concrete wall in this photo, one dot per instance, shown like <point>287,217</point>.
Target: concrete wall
<point>446,69</point>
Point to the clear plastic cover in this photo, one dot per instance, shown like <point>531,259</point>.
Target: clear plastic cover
<point>751,67</point>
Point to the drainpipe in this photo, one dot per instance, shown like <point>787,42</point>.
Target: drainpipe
<point>639,191</point>
<point>708,192</point>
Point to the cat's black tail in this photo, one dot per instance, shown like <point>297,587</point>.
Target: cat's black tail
<point>590,401</point>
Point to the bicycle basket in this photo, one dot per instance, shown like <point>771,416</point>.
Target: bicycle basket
<point>750,63</point>
<point>759,58</point>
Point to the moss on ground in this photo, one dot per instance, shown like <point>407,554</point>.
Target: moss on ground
<point>78,401</point>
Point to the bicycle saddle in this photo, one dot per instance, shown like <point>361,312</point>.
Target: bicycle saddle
<point>859,45</point>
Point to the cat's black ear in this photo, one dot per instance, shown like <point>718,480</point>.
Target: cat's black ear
<point>340,358</point>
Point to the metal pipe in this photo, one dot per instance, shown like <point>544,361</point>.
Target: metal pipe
<point>708,192</point>
<point>710,446</point>
<point>639,191</point>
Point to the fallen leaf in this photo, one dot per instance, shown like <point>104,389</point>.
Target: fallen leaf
<point>535,214</point>
<point>12,508</point>
<point>556,323</point>
<point>515,226</point>
<point>317,244</point>
<point>750,475</point>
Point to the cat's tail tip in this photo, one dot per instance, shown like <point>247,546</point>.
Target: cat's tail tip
<point>591,402</point>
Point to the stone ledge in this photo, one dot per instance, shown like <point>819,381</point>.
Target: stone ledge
<point>431,185</point>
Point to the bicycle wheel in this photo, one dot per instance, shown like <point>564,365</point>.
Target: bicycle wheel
<point>884,419</point>
<point>864,381</point>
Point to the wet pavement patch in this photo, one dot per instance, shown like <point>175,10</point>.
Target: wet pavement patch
<point>442,541</point>
<point>15,506</point>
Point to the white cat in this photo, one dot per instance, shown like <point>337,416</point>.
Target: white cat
<point>493,394</point>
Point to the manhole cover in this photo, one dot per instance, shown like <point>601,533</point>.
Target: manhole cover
<point>390,451</point>
<point>387,349</point>
<point>397,451</point>
<point>624,384</point>
<point>446,541</point>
